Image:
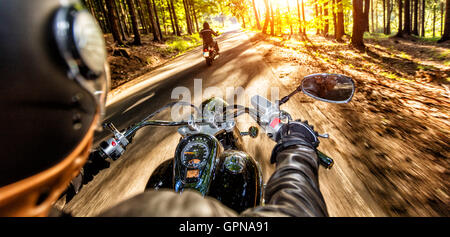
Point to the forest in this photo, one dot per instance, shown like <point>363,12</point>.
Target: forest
<point>392,140</point>
<point>176,23</point>
<point>126,19</point>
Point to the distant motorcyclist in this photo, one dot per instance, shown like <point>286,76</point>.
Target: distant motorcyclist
<point>51,106</point>
<point>206,33</point>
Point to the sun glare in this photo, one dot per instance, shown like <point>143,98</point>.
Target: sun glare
<point>285,6</point>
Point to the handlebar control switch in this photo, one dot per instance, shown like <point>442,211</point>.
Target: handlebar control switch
<point>115,146</point>
<point>112,148</point>
<point>268,113</point>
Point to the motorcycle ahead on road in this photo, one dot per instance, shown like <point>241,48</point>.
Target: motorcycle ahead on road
<point>210,54</point>
<point>210,156</point>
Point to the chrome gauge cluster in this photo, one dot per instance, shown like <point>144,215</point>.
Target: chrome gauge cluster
<point>196,152</point>
<point>195,158</point>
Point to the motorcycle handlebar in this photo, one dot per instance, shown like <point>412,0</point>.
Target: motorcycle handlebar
<point>266,114</point>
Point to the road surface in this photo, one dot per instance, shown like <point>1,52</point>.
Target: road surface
<point>240,65</point>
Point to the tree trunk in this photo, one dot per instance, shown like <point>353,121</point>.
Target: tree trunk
<point>340,30</point>
<point>194,13</point>
<point>174,31</point>
<point>142,19</point>
<point>258,24</point>
<point>407,24</point>
<point>147,16</point>
<point>316,13</point>
<point>446,35</point>
<point>289,17</point>
<point>191,14</point>
<point>360,21</point>
<point>188,18</point>
<point>415,30</point>
<point>156,33</point>
<point>400,18</point>
<point>272,21</point>
<point>442,18</point>
<point>333,7</point>
<point>104,10</point>
<point>266,21</point>
<point>175,18</point>
<point>124,19</point>
<point>120,24</point>
<point>372,19</point>
<point>376,16</point>
<point>434,19</point>
<point>97,10</point>
<point>157,20</point>
<point>89,6</point>
<point>388,18</point>
<point>113,21</point>
<point>299,18</point>
<point>132,11</point>
<point>163,17</point>
<point>384,16</point>
<point>325,14</point>
<point>358,24</point>
<point>304,18</point>
<point>366,13</point>
<point>423,18</point>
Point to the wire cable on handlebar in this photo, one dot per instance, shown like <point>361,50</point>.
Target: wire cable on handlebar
<point>170,105</point>
<point>241,110</point>
<point>130,132</point>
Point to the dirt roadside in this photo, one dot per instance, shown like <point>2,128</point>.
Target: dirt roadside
<point>131,61</point>
<point>395,132</point>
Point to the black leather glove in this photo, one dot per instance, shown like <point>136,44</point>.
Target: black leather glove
<point>298,129</point>
<point>295,133</point>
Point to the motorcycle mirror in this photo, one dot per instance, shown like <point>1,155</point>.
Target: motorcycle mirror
<point>333,88</point>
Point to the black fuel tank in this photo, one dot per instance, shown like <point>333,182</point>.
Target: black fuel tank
<point>237,181</point>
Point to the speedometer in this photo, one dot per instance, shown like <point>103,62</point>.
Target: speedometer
<point>195,158</point>
<point>195,153</point>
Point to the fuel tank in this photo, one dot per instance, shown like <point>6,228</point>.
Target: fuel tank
<point>215,166</point>
<point>237,182</point>
<point>233,177</point>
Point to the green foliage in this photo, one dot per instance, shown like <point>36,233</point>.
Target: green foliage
<point>182,44</point>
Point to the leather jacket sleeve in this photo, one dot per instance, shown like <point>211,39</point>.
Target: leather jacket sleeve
<point>293,189</point>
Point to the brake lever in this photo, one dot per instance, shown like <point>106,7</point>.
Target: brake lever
<point>325,160</point>
<point>325,135</point>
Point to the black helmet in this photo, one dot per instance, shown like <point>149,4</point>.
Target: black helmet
<point>53,85</point>
<point>205,25</point>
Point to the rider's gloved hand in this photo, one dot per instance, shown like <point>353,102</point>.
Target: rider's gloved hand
<point>295,133</point>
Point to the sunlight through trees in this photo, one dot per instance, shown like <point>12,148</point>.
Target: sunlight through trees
<point>127,19</point>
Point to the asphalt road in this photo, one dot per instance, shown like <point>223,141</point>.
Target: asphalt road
<point>240,65</point>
